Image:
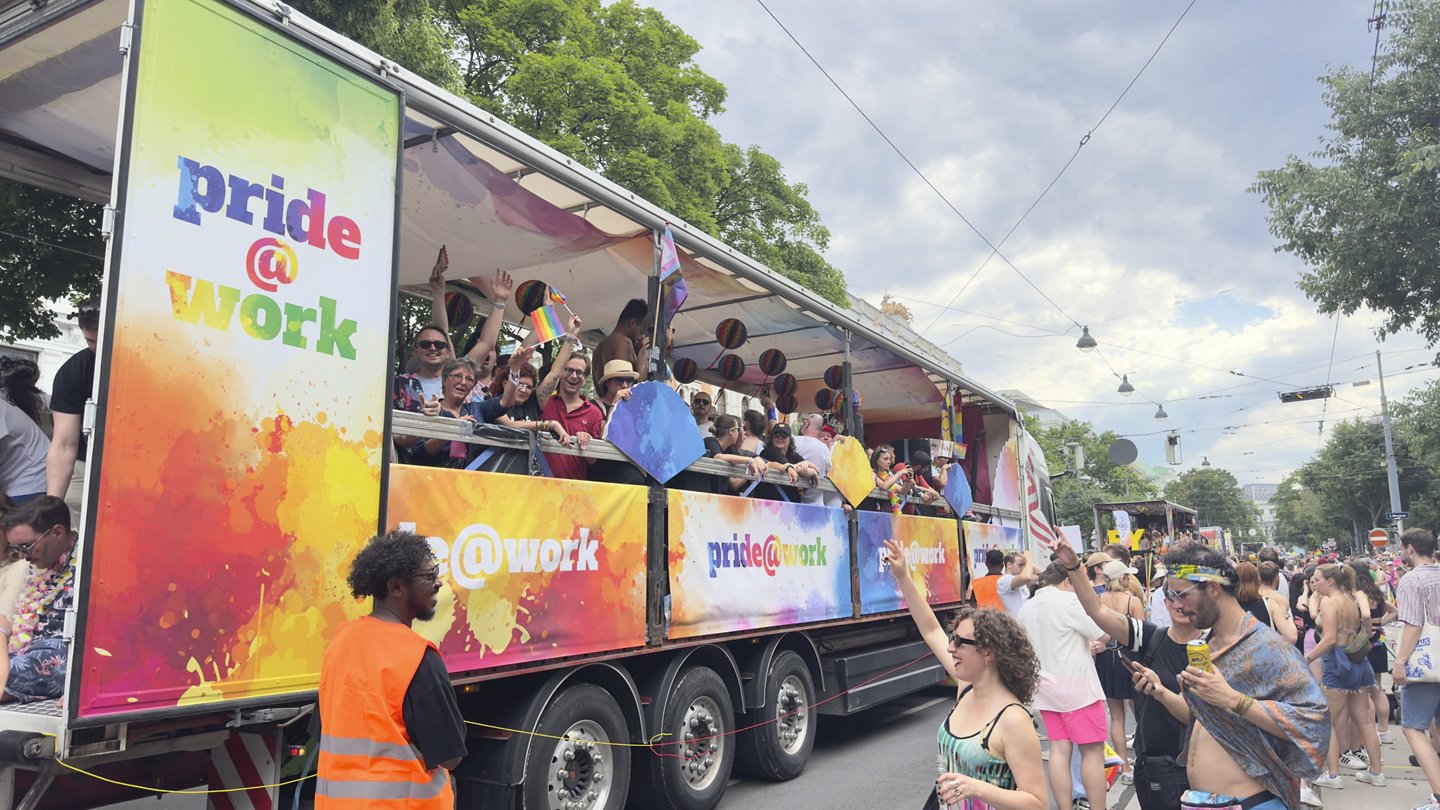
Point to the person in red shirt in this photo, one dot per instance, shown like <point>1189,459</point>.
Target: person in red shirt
<point>581,418</point>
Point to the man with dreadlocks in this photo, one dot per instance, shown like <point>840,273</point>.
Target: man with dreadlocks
<point>390,729</point>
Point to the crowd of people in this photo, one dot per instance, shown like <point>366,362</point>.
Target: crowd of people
<point>1254,681</point>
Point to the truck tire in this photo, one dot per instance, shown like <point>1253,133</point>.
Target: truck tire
<point>779,748</point>
<point>581,770</point>
<point>699,749</point>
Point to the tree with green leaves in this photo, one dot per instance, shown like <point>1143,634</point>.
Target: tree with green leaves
<point>1100,480</point>
<point>1302,516</point>
<point>1363,212</point>
<point>1215,496</point>
<point>50,249</point>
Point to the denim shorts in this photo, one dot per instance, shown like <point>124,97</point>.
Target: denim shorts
<point>1419,705</point>
<point>1345,675</point>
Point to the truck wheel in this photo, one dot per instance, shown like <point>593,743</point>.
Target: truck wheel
<point>780,748</point>
<point>699,751</point>
<point>581,770</point>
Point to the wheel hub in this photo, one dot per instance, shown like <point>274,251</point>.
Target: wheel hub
<point>791,713</point>
<point>580,771</point>
<point>703,745</point>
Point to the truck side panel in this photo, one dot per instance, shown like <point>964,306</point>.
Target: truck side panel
<point>243,402</point>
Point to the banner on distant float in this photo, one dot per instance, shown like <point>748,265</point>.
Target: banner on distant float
<point>981,537</point>
<point>741,564</point>
<point>243,404</point>
<point>530,568</point>
<point>932,559</point>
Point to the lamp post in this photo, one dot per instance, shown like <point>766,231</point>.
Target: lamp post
<point>1390,473</point>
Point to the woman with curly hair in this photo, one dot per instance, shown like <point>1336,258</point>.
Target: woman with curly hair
<point>989,751</point>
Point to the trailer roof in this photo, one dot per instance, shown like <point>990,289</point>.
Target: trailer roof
<point>495,198</point>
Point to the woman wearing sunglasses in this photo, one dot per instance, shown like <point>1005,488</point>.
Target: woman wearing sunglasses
<point>989,753</point>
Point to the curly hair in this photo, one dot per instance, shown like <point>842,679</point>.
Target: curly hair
<point>1015,661</point>
<point>394,555</point>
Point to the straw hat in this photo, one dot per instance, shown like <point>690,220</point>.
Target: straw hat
<point>618,368</point>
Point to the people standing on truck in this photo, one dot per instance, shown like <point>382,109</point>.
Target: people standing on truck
<point>989,753</point>
<point>482,348</point>
<point>39,531</point>
<point>459,378</point>
<point>580,419</point>
<point>985,590</point>
<point>782,457</point>
<point>65,460</point>
<point>895,483</point>
<point>628,341</point>
<point>753,429</point>
<point>812,447</point>
<point>1069,698</point>
<point>390,729</point>
<point>700,409</point>
<point>23,444</point>
<point>530,388</point>
<point>615,383</point>
<point>1260,721</point>
<point>1157,657</point>
<point>919,471</point>
<point>723,446</point>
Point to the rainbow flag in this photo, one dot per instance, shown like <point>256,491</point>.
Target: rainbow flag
<point>669,257</point>
<point>555,295</point>
<point>547,324</point>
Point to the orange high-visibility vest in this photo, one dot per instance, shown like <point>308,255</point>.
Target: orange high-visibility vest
<point>366,758</point>
<point>987,594</point>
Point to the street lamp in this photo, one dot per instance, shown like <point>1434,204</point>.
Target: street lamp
<point>1125,389</point>
<point>1086,343</point>
<point>1160,412</point>
<point>1205,461</point>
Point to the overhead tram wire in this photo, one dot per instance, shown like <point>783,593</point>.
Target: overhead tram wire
<point>995,250</point>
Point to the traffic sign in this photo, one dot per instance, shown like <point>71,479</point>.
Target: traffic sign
<point>1379,538</point>
<point>1397,515</point>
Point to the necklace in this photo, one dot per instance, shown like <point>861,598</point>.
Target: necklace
<point>42,590</point>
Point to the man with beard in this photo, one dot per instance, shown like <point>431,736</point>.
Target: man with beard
<point>1260,721</point>
<point>1417,598</point>
<point>391,726</point>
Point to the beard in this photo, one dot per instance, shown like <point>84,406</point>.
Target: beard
<point>1206,613</point>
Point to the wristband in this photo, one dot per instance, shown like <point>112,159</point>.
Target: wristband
<point>1076,567</point>
<point>499,306</point>
<point>1243,705</point>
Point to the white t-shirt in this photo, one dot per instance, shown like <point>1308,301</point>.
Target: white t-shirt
<point>1159,613</point>
<point>23,446</point>
<point>1015,599</point>
<point>814,451</point>
<point>1282,584</point>
<point>431,386</point>
<point>1061,634</point>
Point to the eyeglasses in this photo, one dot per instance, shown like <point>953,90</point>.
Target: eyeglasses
<point>455,375</point>
<point>432,576</point>
<point>961,641</point>
<point>524,386</point>
<point>1172,595</point>
<point>24,549</point>
<point>573,372</point>
<point>432,344</point>
<point>698,402</point>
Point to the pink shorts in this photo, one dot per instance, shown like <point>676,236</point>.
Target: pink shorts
<point>1082,726</point>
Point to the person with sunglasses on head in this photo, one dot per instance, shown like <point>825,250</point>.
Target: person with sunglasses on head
<point>989,753</point>
<point>1260,722</point>
<point>39,531</point>
<point>1069,698</point>
<point>388,722</point>
<point>65,458</point>
<point>1154,656</point>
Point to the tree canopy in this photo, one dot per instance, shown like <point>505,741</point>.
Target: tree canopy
<point>1363,212</point>
<point>1100,480</point>
<point>1215,495</point>
<point>614,85</point>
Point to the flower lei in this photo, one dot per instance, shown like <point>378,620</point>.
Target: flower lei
<point>41,590</point>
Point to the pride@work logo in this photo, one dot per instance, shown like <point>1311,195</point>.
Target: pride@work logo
<point>768,556</point>
<point>479,552</point>
<point>270,263</point>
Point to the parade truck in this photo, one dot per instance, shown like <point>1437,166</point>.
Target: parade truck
<point>270,191</point>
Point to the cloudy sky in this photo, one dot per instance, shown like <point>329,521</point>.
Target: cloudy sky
<point>1150,237</point>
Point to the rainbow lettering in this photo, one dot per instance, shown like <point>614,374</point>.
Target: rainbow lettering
<point>768,556</point>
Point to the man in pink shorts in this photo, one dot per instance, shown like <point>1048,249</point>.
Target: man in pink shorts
<point>1068,697</point>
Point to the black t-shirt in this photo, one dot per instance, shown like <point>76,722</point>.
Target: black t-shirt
<point>772,491</point>
<point>1157,733</point>
<point>72,388</point>
<point>1259,609</point>
<point>527,411</point>
<point>432,717</point>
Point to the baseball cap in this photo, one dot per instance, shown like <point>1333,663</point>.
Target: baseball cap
<point>1098,558</point>
<point>1115,569</point>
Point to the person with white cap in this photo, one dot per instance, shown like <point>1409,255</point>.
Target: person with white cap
<point>1114,676</point>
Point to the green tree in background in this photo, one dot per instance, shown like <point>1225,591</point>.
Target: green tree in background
<point>50,248</point>
<point>1301,516</point>
<point>1364,213</point>
<point>1215,495</point>
<point>1100,481</point>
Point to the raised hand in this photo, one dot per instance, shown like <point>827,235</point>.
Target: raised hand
<point>1064,554</point>
<point>437,273</point>
<point>502,285</point>
<point>895,555</point>
<point>574,328</point>
<point>431,406</point>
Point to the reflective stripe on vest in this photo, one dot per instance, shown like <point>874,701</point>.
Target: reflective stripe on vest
<point>365,747</point>
<point>393,791</point>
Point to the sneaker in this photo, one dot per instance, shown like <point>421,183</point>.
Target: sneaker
<point>1355,759</point>
<point>1376,779</point>
<point>1308,797</point>
<point>1413,761</point>
<point>1127,778</point>
<point>1384,737</point>
<point>1328,780</point>
<point>1080,804</point>
<point>1433,804</point>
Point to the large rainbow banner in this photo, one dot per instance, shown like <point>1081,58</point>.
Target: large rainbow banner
<point>531,568</point>
<point>741,564</point>
<point>932,558</point>
<point>243,406</point>
<point>981,537</point>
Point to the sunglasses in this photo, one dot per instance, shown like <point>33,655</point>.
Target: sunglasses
<point>704,402</point>
<point>961,641</point>
<point>1172,595</point>
<point>432,344</point>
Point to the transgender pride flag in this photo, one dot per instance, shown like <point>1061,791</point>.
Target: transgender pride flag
<point>669,257</point>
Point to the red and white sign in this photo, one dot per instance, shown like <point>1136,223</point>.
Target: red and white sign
<point>1379,538</point>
